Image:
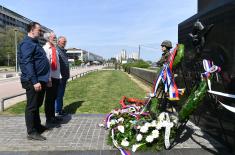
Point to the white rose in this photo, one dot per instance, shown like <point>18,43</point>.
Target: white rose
<point>121,128</point>
<point>124,142</point>
<point>144,129</point>
<point>149,139</point>
<point>139,137</point>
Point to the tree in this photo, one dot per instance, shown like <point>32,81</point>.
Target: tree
<point>7,45</point>
<point>113,60</point>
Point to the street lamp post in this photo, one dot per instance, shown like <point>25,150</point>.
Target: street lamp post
<point>8,59</point>
<point>139,53</point>
<point>16,50</point>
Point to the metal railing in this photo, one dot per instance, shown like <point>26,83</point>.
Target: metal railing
<point>7,98</point>
<point>82,74</point>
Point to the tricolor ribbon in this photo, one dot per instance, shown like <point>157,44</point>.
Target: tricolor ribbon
<point>107,120</point>
<point>169,83</point>
<point>115,143</point>
<point>209,67</point>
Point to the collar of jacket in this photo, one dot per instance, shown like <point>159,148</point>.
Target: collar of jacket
<point>35,40</point>
<point>60,48</point>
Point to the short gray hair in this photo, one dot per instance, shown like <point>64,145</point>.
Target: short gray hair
<point>60,37</point>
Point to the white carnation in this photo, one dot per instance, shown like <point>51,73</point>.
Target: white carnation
<point>121,119</point>
<point>144,129</point>
<point>147,124</point>
<point>155,133</point>
<point>154,123</point>
<point>124,142</point>
<point>139,137</point>
<point>121,128</point>
<point>149,139</point>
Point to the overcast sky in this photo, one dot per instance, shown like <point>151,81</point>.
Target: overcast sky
<point>105,27</point>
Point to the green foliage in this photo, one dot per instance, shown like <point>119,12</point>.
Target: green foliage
<point>194,100</point>
<point>112,60</point>
<point>7,46</point>
<point>153,107</point>
<point>179,56</point>
<point>138,63</point>
<point>77,62</point>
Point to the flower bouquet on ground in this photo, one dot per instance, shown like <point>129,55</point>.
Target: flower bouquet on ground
<point>139,125</point>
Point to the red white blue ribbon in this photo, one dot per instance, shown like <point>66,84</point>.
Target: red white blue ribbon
<point>211,68</point>
<point>115,143</point>
<point>169,84</point>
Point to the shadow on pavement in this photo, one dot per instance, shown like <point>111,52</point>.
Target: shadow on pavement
<point>189,132</point>
<point>66,119</point>
<point>72,108</point>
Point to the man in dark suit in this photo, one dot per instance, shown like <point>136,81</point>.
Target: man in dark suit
<point>35,70</point>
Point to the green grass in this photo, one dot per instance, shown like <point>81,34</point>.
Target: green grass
<point>6,68</point>
<point>97,92</point>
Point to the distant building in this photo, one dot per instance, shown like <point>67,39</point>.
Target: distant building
<point>123,54</point>
<point>9,18</point>
<point>83,55</point>
<point>134,55</point>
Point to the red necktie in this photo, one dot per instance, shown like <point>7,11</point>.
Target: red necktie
<point>53,59</point>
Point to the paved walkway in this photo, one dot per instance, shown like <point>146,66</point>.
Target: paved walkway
<point>79,134</point>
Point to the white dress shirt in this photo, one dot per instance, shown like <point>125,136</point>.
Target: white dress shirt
<point>53,73</point>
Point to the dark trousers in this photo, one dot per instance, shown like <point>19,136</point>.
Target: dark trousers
<point>51,94</point>
<point>60,95</point>
<point>34,102</point>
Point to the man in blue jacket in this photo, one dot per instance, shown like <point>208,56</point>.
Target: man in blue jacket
<point>35,70</point>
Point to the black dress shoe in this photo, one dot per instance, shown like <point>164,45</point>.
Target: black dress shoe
<point>35,136</point>
<point>53,123</point>
<point>42,128</point>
